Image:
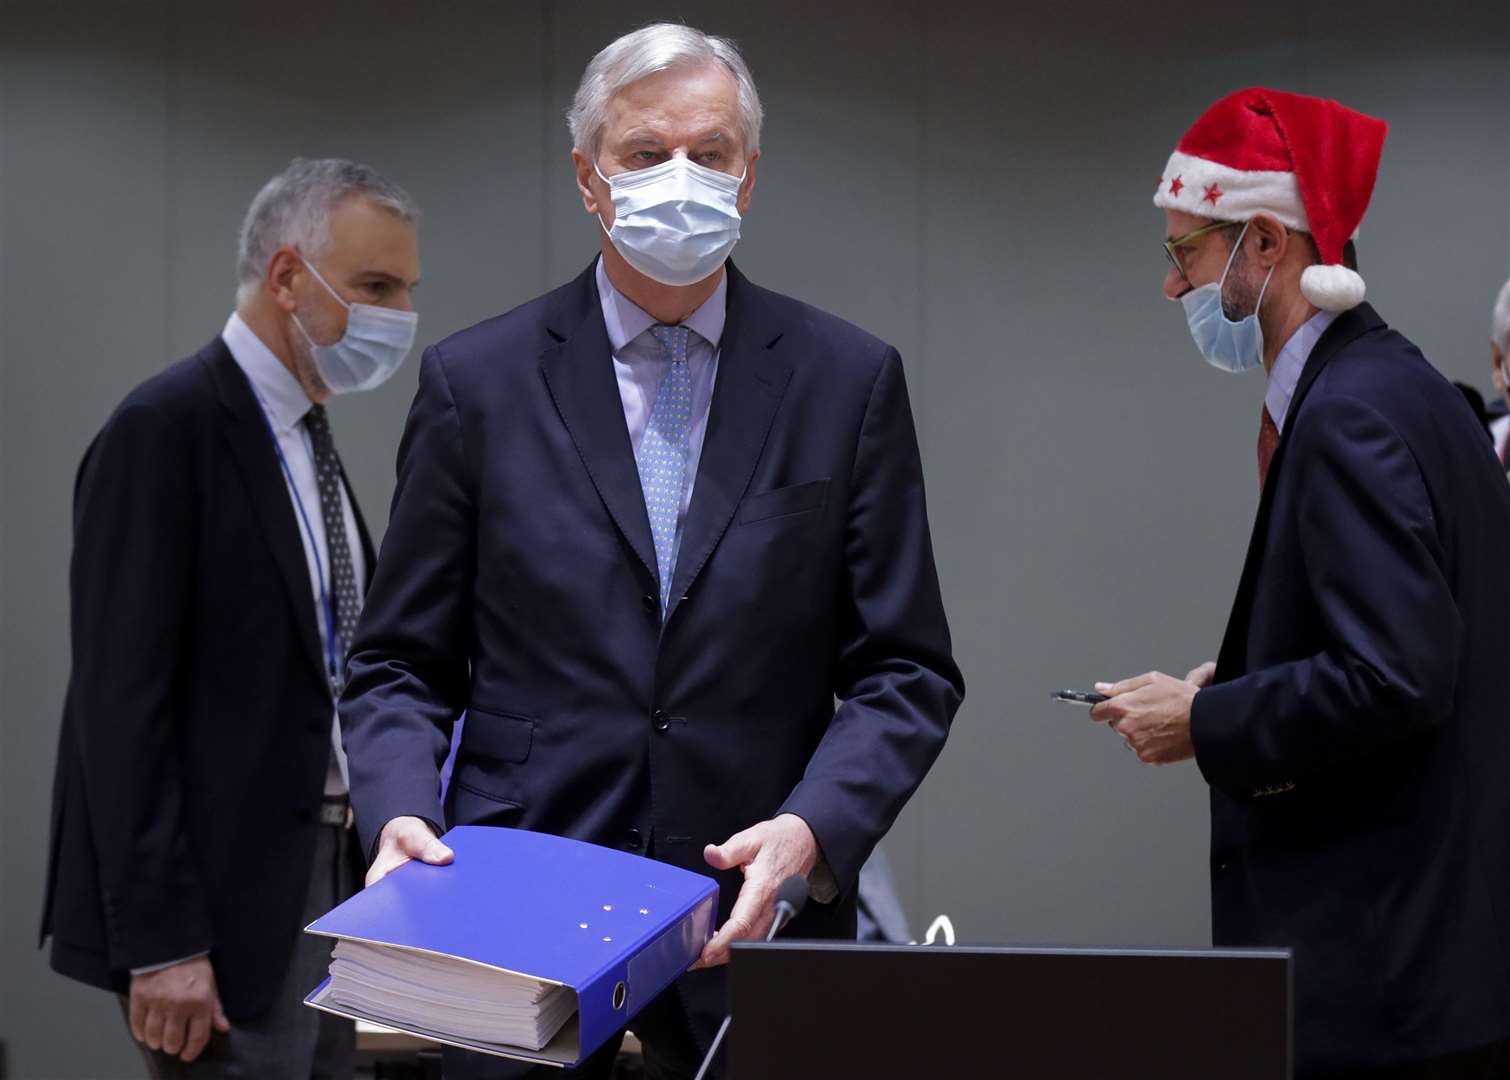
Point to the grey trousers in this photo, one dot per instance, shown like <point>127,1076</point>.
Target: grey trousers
<point>289,1040</point>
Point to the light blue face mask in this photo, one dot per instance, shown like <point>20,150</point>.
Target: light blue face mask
<point>675,222</point>
<point>1227,345</point>
<point>374,346</point>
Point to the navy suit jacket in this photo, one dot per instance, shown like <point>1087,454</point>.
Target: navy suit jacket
<point>196,732</point>
<point>517,581</point>
<point>1357,740</point>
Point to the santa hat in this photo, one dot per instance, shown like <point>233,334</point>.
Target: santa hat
<point>1309,162</point>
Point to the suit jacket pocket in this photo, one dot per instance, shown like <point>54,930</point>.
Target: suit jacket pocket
<point>496,736</point>
<point>783,502</point>
<point>492,743</point>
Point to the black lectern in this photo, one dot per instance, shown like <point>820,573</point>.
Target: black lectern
<point>820,1010</point>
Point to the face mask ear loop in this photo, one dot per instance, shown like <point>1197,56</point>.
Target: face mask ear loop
<point>321,279</point>
<point>606,231</point>
<point>1265,288</point>
<point>1221,288</point>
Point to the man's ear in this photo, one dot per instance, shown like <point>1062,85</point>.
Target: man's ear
<point>586,174</point>
<point>1270,239</point>
<point>747,189</point>
<point>282,270</point>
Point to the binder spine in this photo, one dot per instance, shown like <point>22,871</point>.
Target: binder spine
<point>655,966</point>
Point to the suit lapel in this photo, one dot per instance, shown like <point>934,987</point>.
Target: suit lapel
<point>1345,329</point>
<point>251,441</point>
<point>578,371</point>
<point>752,377</point>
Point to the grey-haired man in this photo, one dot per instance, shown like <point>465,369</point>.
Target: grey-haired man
<point>200,808</point>
<point>648,527</point>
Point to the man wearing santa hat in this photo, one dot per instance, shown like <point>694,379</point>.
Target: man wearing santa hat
<point>1354,730</point>
<point>1499,370</point>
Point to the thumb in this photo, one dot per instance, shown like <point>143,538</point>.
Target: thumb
<point>435,853</point>
<point>739,850</point>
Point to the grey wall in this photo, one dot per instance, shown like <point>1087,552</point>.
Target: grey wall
<point>972,184</point>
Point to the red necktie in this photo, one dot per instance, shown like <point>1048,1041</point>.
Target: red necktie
<point>1268,439</point>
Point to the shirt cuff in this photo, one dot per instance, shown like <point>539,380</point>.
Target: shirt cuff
<point>150,968</point>
<point>821,884</point>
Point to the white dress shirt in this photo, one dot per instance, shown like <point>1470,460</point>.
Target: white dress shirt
<point>640,363</point>
<point>1290,362</point>
<point>1499,431</point>
<point>284,403</point>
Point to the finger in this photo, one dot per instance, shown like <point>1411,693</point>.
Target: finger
<point>418,842</point>
<point>752,909</point>
<point>1135,683</point>
<point>383,865</point>
<point>219,1019</point>
<point>435,853</point>
<point>1109,712</point>
<point>1201,673</point>
<point>716,952</point>
<point>174,1033</point>
<point>198,1035</point>
<point>739,850</point>
<point>138,1017</point>
<point>152,1028</point>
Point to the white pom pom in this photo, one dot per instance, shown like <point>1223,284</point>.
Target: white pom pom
<point>1332,288</point>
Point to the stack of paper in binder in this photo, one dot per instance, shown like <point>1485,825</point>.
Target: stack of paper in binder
<point>527,945</point>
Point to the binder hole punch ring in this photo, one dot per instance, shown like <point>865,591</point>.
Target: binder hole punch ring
<point>583,925</point>
<point>620,993</point>
<point>607,907</point>
<point>607,938</point>
<point>644,911</point>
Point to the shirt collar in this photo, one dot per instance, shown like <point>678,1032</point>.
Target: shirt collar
<point>626,320</point>
<point>282,398</point>
<point>1290,362</point>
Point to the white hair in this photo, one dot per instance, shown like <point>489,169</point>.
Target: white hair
<point>294,208</point>
<point>1499,326</point>
<point>648,50</point>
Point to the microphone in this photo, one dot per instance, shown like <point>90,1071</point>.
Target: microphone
<point>791,898</point>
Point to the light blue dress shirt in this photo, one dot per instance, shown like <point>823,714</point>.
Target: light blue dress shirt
<point>1290,362</point>
<point>639,364</point>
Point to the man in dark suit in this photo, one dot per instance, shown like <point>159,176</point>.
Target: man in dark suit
<point>647,528</point>
<point>200,810</point>
<point>1499,373</point>
<point>1354,730</point>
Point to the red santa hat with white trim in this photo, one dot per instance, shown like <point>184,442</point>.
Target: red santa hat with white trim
<point>1308,161</point>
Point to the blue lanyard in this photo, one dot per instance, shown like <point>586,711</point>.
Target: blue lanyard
<point>332,649</point>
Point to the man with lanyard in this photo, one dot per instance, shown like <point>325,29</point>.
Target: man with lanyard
<point>200,810</point>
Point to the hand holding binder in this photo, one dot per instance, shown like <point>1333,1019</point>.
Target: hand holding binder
<point>402,839</point>
<point>527,945</point>
<point>768,853</point>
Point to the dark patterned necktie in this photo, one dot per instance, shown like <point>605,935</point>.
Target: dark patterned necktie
<point>1268,440</point>
<point>343,580</point>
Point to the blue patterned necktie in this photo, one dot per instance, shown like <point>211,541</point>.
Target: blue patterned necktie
<point>663,453</point>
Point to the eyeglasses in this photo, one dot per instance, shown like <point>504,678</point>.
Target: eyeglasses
<point>1171,246</point>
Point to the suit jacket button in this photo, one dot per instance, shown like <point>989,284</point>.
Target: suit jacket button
<point>633,841</point>
<point>651,604</point>
<point>660,720</point>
